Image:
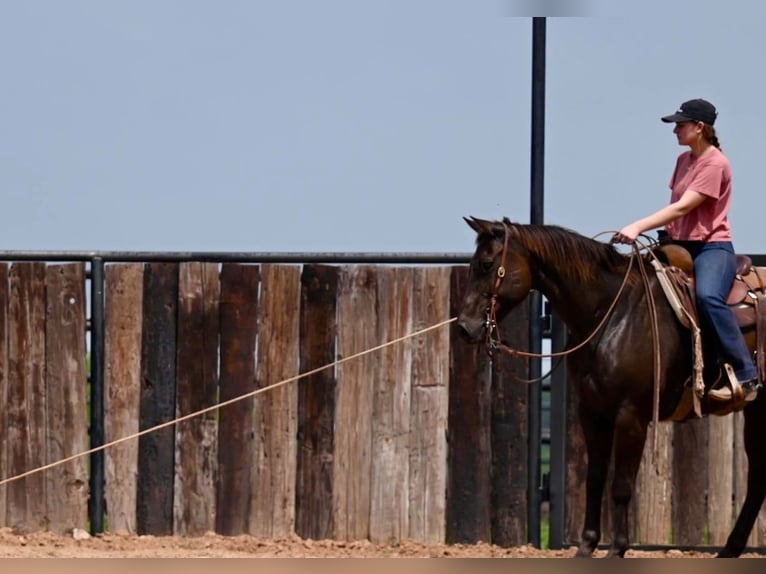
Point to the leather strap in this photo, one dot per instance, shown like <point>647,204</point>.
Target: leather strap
<point>501,269</point>
<point>760,336</point>
<point>761,283</point>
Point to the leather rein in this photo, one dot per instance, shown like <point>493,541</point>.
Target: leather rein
<point>494,343</point>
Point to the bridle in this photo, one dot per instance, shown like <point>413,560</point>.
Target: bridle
<point>494,343</point>
<point>492,333</point>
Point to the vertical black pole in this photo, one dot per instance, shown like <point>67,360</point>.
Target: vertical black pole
<point>559,402</point>
<point>96,500</point>
<point>535,300</point>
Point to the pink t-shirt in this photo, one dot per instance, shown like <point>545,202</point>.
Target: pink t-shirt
<point>710,175</point>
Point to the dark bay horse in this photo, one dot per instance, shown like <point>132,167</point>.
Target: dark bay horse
<point>613,373</point>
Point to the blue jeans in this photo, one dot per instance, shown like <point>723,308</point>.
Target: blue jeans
<point>714,270</point>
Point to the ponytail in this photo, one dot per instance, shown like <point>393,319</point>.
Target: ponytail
<point>708,132</point>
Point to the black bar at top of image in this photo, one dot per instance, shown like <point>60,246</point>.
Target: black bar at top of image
<point>550,8</point>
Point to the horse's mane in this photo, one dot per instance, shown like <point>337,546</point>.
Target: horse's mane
<point>573,255</point>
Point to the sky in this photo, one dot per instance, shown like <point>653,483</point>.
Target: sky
<point>357,125</point>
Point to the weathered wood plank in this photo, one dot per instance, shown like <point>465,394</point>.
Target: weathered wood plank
<point>122,381</point>
<point>740,470</point>
<point>760,528</point>
<point>26,400</point>
<point>357,330</point>
<point>430,406</point>
<point>156,450</point>
<point>272,500</point>
<point>510,434</point>
<point>66,385</point>
<point>690,463</point>
<point>721,478</point>
<point>316,403</point>
<point>654,486</point>
<point>239,320</point>
<point>4,375</point>
<point>468,430</point>
<point>197,385</point>
<point>389,515</point>
<point>428,454</point>
<point>758,534</point>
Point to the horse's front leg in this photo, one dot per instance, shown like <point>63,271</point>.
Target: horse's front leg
<point>598,440</point>
<point>755,430</point>
<point>629,439</point>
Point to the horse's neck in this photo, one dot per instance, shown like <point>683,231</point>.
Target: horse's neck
<point>580,305</point>
<point>567,271</point>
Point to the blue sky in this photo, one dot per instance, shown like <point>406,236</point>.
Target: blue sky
<point>349,125</point>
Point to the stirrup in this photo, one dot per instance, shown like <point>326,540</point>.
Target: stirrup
<point>735,391</point>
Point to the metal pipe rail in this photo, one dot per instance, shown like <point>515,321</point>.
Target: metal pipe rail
<point>414,258</point>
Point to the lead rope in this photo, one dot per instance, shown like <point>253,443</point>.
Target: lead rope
<point>224,403</point>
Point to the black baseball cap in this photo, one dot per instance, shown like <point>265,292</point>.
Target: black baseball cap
<point>698,110</point>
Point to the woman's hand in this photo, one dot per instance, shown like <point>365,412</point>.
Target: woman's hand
<point>627,234</point>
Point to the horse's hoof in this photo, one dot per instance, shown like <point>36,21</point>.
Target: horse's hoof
<point>588,543</point>
<point>726,553</point>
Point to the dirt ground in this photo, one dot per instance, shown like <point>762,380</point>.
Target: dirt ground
<point>47,545</point>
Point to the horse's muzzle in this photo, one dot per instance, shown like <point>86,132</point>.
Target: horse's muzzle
<point>471,328</point>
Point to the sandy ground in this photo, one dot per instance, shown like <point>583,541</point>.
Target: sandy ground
<point>47,545</point>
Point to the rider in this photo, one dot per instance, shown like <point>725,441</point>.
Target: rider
<point>697,219</point>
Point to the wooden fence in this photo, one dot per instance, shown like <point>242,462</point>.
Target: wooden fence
<point>419,440</point>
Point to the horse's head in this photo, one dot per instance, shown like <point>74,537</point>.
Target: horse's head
<point>499,275</point>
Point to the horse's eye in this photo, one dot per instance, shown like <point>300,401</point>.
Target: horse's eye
<point>486,266</point>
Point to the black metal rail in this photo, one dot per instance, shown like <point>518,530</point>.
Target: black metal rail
<point>414,258</point>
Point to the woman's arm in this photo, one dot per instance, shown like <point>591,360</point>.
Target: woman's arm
<point>689,201</point>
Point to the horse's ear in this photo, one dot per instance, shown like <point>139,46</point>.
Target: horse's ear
<point>479,225</point>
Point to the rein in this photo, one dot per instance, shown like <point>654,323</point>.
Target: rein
<point>494,343</point>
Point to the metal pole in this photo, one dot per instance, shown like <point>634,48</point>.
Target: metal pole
<point>535,300</point>
<point>96,500</point>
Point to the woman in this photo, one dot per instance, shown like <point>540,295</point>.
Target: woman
<point>697,219</point>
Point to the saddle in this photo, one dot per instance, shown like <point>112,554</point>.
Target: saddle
<point>747,300</point>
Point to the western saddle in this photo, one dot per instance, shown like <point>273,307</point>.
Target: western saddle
<point>747,300</point>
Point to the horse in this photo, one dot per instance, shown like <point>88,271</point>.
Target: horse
<point>602,299</point>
